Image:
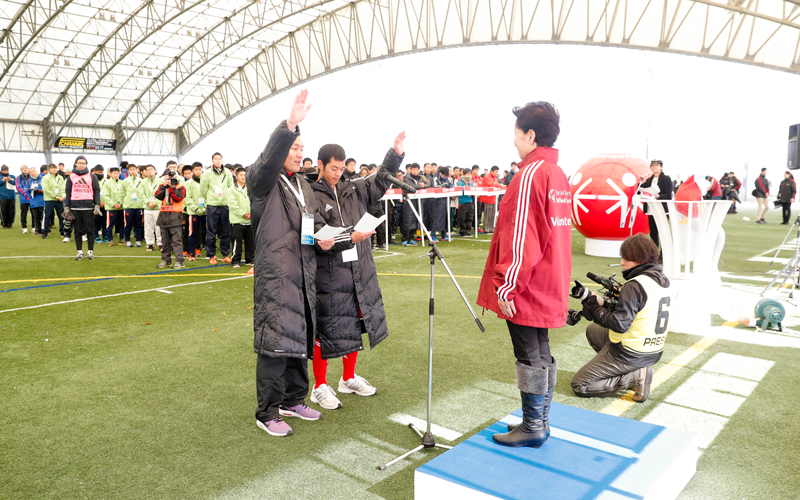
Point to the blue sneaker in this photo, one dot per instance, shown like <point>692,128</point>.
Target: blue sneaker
<point>98,240</point>
<point>435,239</point>
<point>412,243</point>
<point>405,243</point>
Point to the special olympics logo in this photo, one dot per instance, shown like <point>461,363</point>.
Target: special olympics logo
<point>552,195</point>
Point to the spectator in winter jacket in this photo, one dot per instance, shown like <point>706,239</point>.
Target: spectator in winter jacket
<point>213,184</point>
<point>37,199</point>
<point>466,207</point>
<point>196,210</point>
<point>23,185</point>
<point>527,274</point>
<point>631,339</point>
<point>171,194</point>
<point>349,299</point>
<point>761,194</point>
<point>409,222</point>
<point>511,173</point>
<point>786,194</point>
<point>490,202</point>
<point>100,220</point>
<point>285,216</point>
<point>714,191</point>
<point>8,198</point>
<point>438,206</point>
<point>150,205</point>
<point>733,194</point>
<point>54,192</point>
<point>113,196</point>
<point>82,201</point>
<point>132,205</point>
<point>238,202</point>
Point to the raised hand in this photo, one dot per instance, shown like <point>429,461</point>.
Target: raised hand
<point>299,110</point>
<point>398,143</point>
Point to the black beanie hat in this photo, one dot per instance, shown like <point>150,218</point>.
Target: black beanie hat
<point>81,157</point>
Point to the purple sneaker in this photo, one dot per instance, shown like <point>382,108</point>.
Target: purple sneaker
<point>275,427</point>
<point>301,410</point>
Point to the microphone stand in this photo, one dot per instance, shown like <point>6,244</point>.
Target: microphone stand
<point>428,441</point>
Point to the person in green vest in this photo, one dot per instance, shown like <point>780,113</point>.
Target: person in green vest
<point>213,184</point>
<point>239,214</point>
<point>54,189</point>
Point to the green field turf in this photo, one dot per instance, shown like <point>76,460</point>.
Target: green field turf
<point>152,395</point>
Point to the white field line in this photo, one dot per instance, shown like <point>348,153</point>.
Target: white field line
<point>421,425</point>
<point>159,289</point>
<point>152,256</point>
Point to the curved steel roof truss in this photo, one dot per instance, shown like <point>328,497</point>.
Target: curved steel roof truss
<point>213,59</point>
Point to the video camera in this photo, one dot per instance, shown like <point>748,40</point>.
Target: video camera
<point>170,174</point>
<point>608,295</point>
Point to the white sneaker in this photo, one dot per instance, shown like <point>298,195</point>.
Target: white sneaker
<point>90,256</point>
<point>83,238</point>
<point>325,397</point>
<point>24,230</point>
<point>358,385</point>
<point>65,240</point>
<point>79,256</point>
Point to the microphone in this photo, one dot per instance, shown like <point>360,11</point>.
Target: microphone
<point>389,179</point>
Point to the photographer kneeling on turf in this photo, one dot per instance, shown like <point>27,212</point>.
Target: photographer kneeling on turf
<point>630,339</point>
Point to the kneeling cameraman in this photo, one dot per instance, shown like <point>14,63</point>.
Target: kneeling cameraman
<point>630,338</point>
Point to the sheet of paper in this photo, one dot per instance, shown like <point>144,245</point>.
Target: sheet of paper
<point>11,187</point>
<point>368,223</point>
<point>328,232</point>
<point>350,255</point>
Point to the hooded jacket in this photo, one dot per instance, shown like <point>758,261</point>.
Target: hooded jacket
<point>53,186</point>
<point>285,271</point>
<point>132,196</point>
<point>190,203</point>
<point>82,204</point>
<point>112,193</point>
<point>632,299</point>
<point>530,259</point>
<point>345,287</point>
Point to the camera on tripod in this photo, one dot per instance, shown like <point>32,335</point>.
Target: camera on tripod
<point>608,295</point>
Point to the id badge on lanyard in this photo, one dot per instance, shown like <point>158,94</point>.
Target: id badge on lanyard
<point>307,221</point>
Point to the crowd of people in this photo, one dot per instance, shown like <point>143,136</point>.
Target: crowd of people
<point>202,207</point>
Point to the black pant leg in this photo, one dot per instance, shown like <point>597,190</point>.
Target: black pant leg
<point>653,229</point>
<point>36,219</point>
<point>7,209</point>
<point>528,344</point>
<point>787,212</point>
<point>212,223</point>
<point>269,386</point>
<point>49,210</point>
<point>237,235</point>
<point>185,231</point>
<point>249,250</point>
<point>23,214</point>
<point>224,231</point>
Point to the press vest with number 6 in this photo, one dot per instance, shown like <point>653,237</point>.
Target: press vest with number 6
<point>648,332</point>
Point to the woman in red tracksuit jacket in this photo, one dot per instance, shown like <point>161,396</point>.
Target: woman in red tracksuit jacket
<point>527,275</point>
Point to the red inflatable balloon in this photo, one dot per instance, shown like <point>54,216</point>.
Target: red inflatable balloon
<point>689,191</point>
<point>601,196</point>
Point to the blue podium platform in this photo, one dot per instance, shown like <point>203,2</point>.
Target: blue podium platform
<point>589,455</point>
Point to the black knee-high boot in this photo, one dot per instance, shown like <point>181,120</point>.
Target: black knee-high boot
<point>552,376</point>
<point>532,382</point>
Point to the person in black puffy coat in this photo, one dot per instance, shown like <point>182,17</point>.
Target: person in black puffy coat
<point>281,205</point>
<point>349,300</point>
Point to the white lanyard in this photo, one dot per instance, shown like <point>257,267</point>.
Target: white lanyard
<point>338,206</point>
<point>297,194</point>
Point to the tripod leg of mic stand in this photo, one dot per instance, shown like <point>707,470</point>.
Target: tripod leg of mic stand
<point>404,455</point>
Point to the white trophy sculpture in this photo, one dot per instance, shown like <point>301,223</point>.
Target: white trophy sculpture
<point>692,239</point>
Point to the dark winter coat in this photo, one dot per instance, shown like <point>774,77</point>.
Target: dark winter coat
<point>285,270</point>
<point>344,287</point>
<point>439,207</point>
<point>762,187</point>
<point>787,190</point>
<point>408,220</point>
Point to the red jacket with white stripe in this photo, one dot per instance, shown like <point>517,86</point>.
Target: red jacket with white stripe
<point>530,259</point>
